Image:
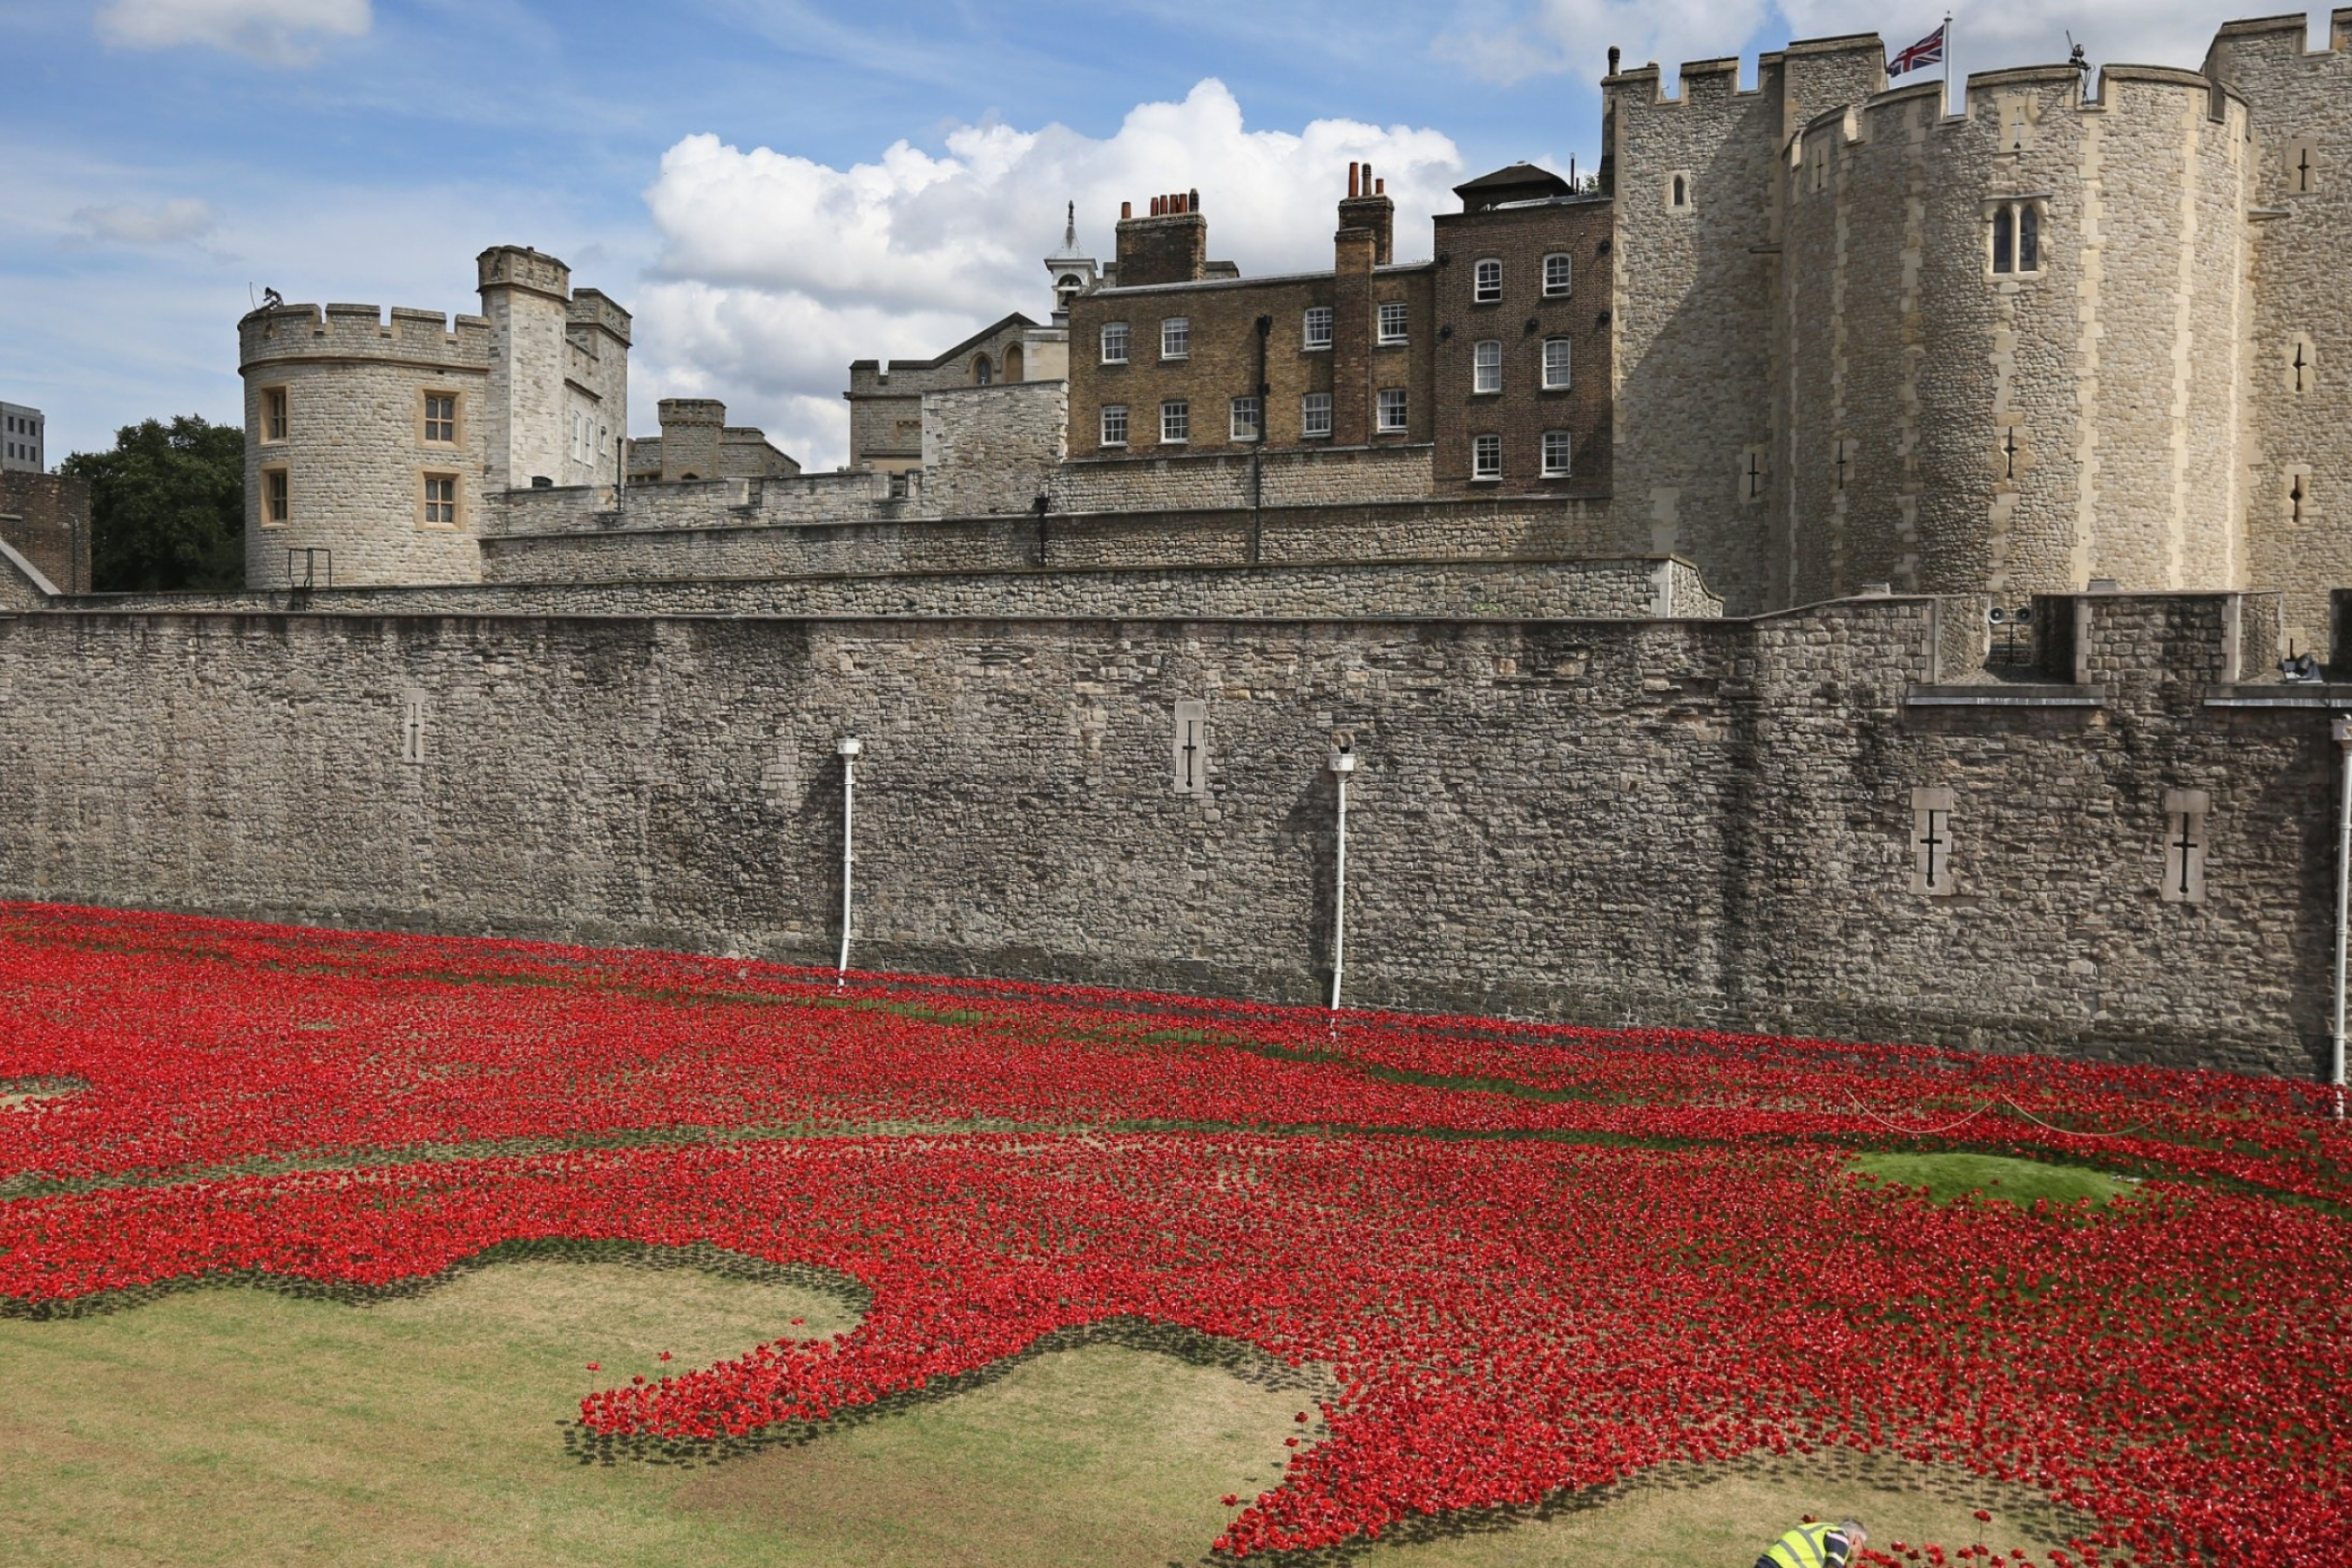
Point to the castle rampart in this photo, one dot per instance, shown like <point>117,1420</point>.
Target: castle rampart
<point>1695,822</point>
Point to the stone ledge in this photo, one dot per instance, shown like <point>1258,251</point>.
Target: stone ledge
<point>2014,695</point>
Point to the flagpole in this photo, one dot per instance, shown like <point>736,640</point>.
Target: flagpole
<point>1947,63</point>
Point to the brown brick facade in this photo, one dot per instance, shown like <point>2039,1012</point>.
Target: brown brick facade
<point>46,517</point>
<point>1522,322</point>
<point>1431,366</point>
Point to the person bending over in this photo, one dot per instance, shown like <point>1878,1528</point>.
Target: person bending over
<point>1816,1546</point>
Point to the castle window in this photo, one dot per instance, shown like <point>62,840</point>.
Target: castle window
<point>1176,338</point>
<point>1486,367</point>
<point>1556,364</point>
<point>1558,454</point>
<point>1316,332</point>
<point>1175,421</point>
<point>273,414</point>
<point>2302,168</point>
<point>2302,364</point>
<point>1114,343</point>
<point>1560,274</point>
<point>1486,458</point>
<point>1314,416</point>
<point>1487,281</point>
<point>1392,409</point>
<point>899,484</point>
<point>2016,236</point>
<point>440,501</point>
<point>1752,474</point>
<point>1679,192</point>
<point>441,419</point>
<point>277,498</point>
<point>1114,424</point>
<point>983,372</point>
<point>1392,321</point>
<point>1248,419</point>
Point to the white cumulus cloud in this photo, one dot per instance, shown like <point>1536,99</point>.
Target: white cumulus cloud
<point>126,224</point>
<point>776,272</point>
<point>281,32</point>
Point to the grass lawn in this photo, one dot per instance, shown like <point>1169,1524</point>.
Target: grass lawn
<point>233,1426</point>
<point>1947,1177</point>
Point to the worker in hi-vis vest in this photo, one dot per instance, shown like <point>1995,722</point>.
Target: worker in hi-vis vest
<point>1816,1546</point>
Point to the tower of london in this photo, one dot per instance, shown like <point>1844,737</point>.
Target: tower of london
<point>1863,560</point>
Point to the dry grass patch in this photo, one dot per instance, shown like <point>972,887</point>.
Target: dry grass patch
<point>1102,1453</point>
<point>233,1427</point>
<point>1719,1516</point>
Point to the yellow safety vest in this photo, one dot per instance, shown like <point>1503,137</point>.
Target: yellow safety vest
<point>1803,1547</point>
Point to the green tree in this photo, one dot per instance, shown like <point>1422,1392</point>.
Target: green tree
<point>166,507</point>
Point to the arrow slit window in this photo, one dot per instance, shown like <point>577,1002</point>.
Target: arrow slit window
<point>2184,844</point>
<point>1931,843</point>
<point>1189,773</point>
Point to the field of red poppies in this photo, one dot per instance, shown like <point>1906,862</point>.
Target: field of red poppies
<point>1533,1258</point>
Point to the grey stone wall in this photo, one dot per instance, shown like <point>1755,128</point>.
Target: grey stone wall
<point>1574,589</point>
<point>658,534</point>
<point>1680,821</point>
<point>990,449</point>
<point>1338,476</point>
<point>2301,105</point>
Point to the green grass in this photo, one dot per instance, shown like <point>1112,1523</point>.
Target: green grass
<point>1948,1177</point>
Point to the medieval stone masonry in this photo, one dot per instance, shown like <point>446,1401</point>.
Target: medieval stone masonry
<point>1840,569</point>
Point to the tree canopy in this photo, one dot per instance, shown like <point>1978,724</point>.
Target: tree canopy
<point>166,506</point>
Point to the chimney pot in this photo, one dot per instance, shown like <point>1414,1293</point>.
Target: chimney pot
<point>1351,181</point>
<point>1193,201</point>
<point>1380,186</point>
<point>1613,53</point>
<point>1125,211</point>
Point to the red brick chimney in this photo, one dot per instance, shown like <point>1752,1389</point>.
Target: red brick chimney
<point>1368,207</point>
<point>1170,244</point>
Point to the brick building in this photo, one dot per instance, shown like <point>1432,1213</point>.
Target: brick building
<point>45,518</point>
<point>1178,356</point>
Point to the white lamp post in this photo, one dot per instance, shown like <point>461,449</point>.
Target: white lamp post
<point>848,746</point>
<point>1343,762</point>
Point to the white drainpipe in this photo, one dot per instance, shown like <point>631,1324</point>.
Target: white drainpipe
<point>1343,762</point>
<point>848,746</point>
<point>2341,731</point>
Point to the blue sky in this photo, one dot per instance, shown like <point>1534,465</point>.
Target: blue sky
<point>775,187</point>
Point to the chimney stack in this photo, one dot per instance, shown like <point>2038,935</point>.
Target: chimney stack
<point>1368,208</point>
<point>1169,245</point>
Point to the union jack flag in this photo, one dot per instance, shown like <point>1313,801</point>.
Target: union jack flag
<point>1928,51</point>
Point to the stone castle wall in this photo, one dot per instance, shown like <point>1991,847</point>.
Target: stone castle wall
<point>2301,104</point>
<point>993,449</point>
<point>1692,821</point>
<point>1696,298</point>
<point>684,542</point>
<point>354,453</point>
<point>1951,426</point>
<point>1555,588</point>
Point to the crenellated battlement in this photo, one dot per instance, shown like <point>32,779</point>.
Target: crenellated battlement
<point>594,308</point>
<point>342,331</point>
<point>2273,42</point>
